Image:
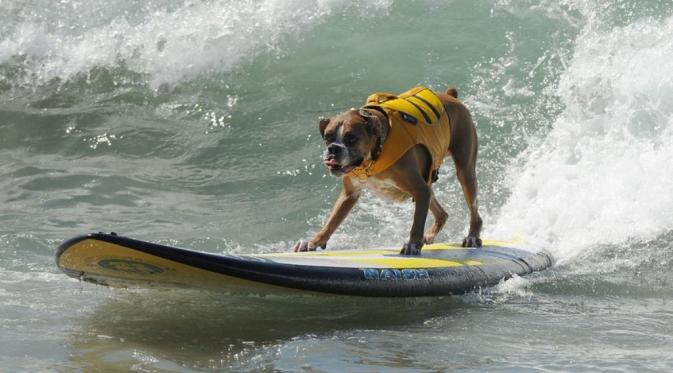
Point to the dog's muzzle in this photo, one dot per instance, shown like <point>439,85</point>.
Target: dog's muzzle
<point>335,157</point>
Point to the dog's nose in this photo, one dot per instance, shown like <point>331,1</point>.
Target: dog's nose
<point>335,149</point>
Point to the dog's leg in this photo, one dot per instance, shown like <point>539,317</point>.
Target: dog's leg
<point>422,195</point>
<point>347,198</point>
<point>468,181</point>
<point>440,219</point>
<point>408,172</point>
<point>463,150</point>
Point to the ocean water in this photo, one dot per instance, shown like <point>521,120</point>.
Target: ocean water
<point>195,123</point>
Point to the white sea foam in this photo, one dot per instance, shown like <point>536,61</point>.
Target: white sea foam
<point>603,173</point>
<point>514,286</point>
<point>169,43</point>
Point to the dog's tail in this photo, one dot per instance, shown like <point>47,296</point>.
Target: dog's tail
<point>452,91</point>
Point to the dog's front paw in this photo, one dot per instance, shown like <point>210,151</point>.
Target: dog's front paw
<point>411,248</point>
<point>472,241</point>
<point>307,245</point>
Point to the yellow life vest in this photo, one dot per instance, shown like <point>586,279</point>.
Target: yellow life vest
<point>416,116</point>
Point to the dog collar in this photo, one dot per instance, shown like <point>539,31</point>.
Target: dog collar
<point>363,171</point>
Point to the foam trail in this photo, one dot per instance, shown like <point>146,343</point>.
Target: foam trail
<point>603,173</point>
<point>170,43</point>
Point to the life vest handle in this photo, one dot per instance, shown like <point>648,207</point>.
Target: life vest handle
<point>380,97</point>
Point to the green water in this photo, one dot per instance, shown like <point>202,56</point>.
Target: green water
<point>196,124</point>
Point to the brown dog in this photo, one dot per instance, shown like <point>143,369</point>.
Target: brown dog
<point>355,140</point>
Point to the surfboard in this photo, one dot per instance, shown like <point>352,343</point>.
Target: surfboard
<point>441,269</point>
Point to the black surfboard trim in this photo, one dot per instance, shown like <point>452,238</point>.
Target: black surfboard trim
<point>349,281</point>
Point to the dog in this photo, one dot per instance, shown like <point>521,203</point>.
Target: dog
<point>374,148</point>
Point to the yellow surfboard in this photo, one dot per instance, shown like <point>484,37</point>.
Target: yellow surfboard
<point>441,269</point>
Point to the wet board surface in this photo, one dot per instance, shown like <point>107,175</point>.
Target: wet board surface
<point>441,269</point>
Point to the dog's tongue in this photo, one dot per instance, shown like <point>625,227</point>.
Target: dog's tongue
<point>331,163</point>
<point>334,165</point>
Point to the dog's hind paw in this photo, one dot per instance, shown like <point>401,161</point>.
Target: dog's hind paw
<point>411,248</point>
<point>472,241</point>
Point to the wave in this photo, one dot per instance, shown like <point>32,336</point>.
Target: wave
<point>602,173</point>
<point>166,41</point>
<point>598,100</point>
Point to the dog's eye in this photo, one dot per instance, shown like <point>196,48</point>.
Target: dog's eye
<point>350,140</point>
<point>329,138</point>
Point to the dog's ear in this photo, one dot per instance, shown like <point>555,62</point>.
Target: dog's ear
<point>373,122</point>
<point>375,127</point>
<point>323,125</point>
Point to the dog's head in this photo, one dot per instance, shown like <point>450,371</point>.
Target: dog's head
<point>351,138</point>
